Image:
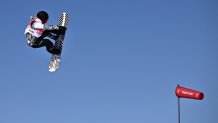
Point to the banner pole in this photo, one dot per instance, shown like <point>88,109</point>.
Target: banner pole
<point>178,110</point>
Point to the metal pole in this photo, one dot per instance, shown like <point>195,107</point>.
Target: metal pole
<point>178,110</point>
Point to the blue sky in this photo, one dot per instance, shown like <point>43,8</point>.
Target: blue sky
<point>121,62</point>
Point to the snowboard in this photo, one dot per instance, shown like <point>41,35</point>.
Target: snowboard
<point>56,59</point>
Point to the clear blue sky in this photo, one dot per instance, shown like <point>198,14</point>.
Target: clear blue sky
<point>121,62</point>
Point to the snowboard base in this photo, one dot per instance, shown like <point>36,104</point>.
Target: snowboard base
<point>56,59</point>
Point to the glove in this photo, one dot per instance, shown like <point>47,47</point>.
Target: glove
<point>62,28</point>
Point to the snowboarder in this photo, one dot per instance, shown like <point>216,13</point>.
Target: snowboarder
<point>37,30</point>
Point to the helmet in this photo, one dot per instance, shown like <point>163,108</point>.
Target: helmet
<point>43,16</point>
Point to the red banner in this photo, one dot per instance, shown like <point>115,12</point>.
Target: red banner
<point>182,92</point>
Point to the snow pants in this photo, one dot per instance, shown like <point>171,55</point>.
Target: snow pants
<point>42,42</point>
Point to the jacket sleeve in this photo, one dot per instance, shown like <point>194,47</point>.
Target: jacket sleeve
<point>38,25</point>
<point>51,27</point>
